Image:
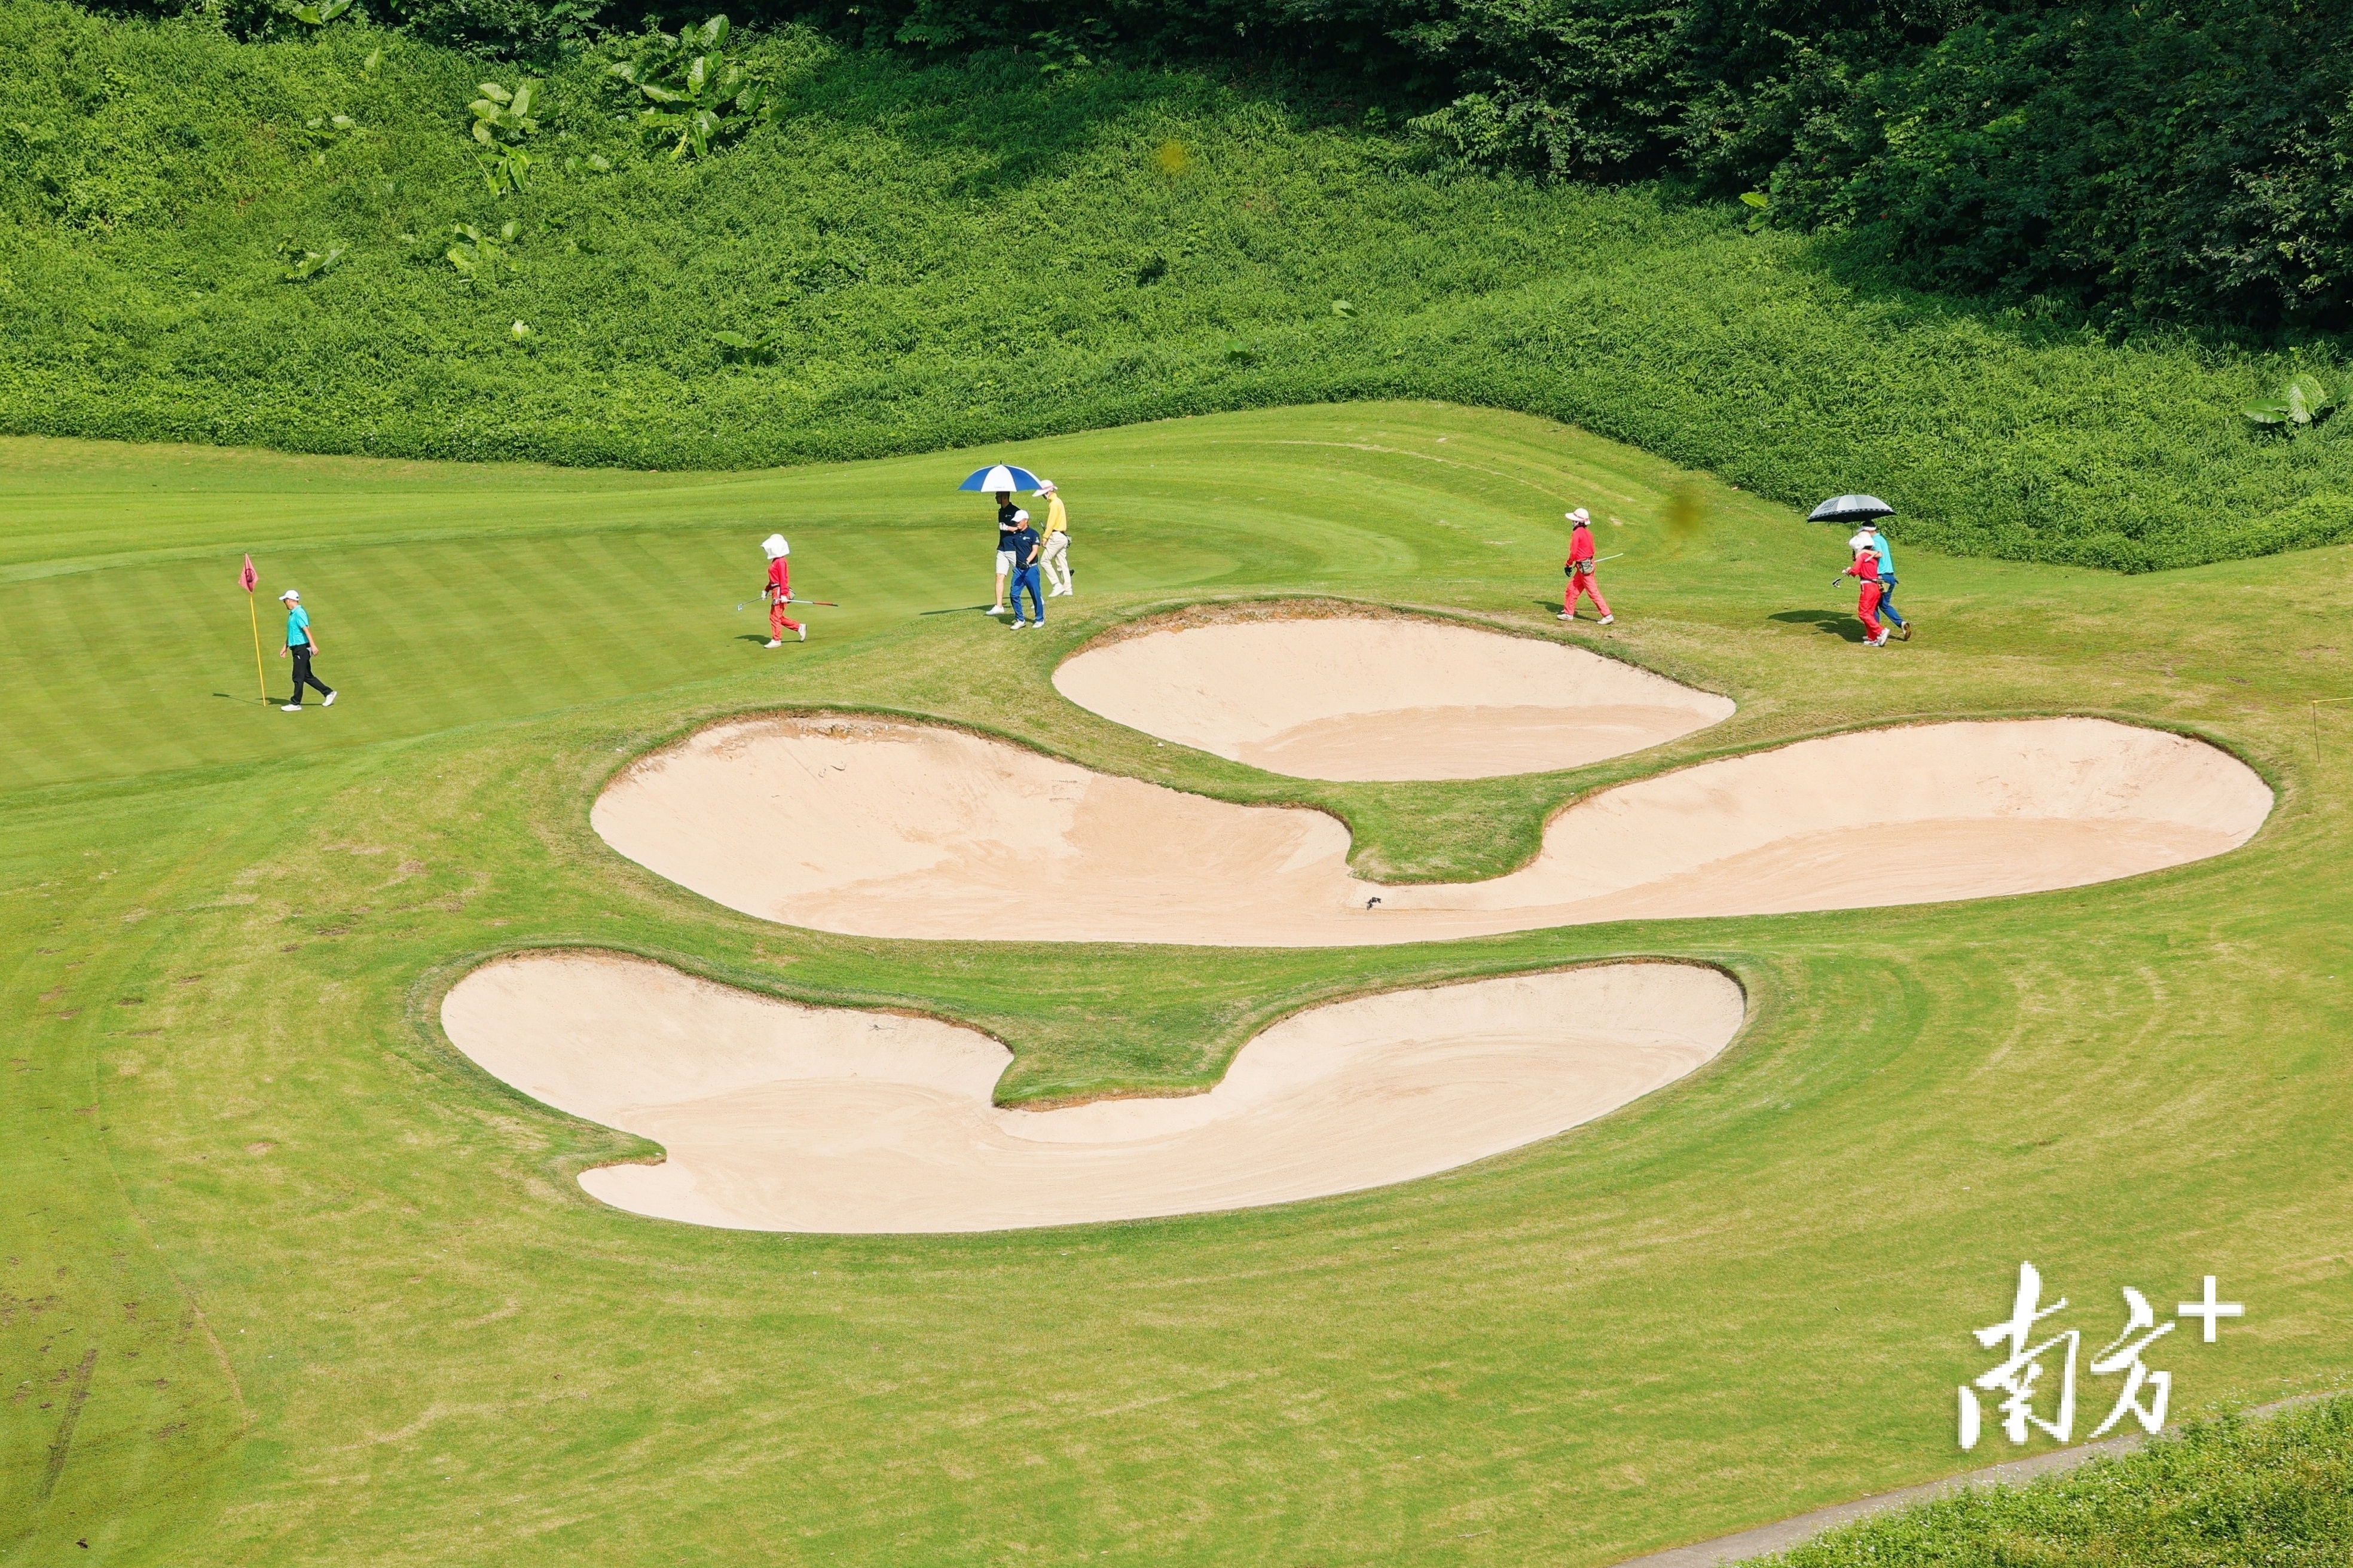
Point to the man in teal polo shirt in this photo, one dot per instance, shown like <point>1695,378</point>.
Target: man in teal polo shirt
<point>300,646</point>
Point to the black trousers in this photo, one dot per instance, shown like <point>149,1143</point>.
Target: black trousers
<point>302,676</point>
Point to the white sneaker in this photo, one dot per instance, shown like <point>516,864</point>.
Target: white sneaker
<point>330,702</point>
<point>291,708</point>
<point>996,609</point>
<point>1564,615</point>
<point>1606,620</point>
<point>804,634</point>
<point>1018,624</point>
<point>774,643</point>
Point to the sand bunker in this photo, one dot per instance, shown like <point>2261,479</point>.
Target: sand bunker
<point>1387,699</point>
<point>900,830</point>
<point>778,1117</point>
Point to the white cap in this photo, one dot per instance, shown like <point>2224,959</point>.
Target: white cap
<point>1045,487</point>
<point>776,547</point>
<point>1020,517</point>
<point>1576,516</point>
<point>289,594</point>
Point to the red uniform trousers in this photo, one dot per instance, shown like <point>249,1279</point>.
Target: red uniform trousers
<point>1582,582</point>
<point>780,589</point>
<point>1867,607</point>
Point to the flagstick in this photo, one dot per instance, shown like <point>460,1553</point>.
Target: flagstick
<point>255,616</point>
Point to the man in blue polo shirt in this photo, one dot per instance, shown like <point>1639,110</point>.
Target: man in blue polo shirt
<point>300,647</point>
<point>1025,544</point>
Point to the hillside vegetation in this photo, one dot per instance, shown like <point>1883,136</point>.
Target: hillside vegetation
<point>250,243</point>
<point>2191,162</point>
<point>2276,1490</point>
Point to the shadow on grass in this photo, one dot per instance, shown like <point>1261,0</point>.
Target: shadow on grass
<point>1839,624</point>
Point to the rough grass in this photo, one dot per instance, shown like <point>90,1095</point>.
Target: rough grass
<point>348,1306</point>
<point>980,251</point>
<point>2278,1490</point>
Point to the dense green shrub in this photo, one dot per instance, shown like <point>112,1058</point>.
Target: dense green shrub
<point>907,259</point>
<point>2191,162</point>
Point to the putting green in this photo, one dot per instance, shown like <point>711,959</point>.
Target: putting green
<point>288,1278</point>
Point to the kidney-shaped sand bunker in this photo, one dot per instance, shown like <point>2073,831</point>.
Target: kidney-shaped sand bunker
<point>780,1117</point>
<point>1362,697</point>
<point>879,829</point>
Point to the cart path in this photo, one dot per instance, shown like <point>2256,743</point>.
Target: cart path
<point>1789,1532</point>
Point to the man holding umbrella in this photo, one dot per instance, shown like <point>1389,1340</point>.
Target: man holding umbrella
<point>1001,479</point>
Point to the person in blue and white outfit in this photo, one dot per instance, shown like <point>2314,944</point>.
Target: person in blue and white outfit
<point>298,647</point>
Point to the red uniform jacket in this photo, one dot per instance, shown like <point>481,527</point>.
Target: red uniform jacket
<point>779,579</point>
<point>1580,546</point>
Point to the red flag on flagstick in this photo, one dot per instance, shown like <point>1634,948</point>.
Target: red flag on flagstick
<point>247,579</point>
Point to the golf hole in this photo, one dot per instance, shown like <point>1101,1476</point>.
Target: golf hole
<point>776,1116</point>
<point>1357,697</point>
<point>882,828</point>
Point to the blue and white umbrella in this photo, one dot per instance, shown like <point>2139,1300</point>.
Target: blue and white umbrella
<point>1000,477</point>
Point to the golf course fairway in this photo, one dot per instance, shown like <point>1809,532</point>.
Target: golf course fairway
<point>290,1279</point>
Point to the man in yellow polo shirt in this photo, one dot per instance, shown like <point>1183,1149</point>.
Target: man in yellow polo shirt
<point>1057,556</point>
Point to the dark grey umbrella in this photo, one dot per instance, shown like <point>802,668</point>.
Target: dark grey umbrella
<point>1850,509</point>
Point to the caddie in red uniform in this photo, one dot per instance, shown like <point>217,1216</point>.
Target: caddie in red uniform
<point>1580,567</point>
<point>779,591</point>
<point>1866,570</point>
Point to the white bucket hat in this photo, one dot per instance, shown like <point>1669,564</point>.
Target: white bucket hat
<point>290,595</point>
<point>1579,515</point>
<point>1861,542</point>
<point>1045,487</point>
<point>776,547</point>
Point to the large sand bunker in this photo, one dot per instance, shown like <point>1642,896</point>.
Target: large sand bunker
<point>1357,698</point>
<point>778,1117</point>
<point>887,829</point>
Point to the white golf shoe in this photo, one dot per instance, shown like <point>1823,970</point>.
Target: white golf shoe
<point>291,708</point>
<point>330,702</point>
<point>774,643</point>
<point>1606,620</point>
<point>805,634</point>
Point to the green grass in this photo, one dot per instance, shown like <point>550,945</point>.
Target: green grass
<point>342,1302</point>
<point>2228,1491</point>
<point>980,251</point>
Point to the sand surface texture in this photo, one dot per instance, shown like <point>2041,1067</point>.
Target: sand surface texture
<point>779,1117</point>
<point>888,829</point>
<point>1364,698</point>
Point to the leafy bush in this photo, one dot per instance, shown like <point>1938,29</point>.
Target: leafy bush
<point>693,91</point>
<point>981,250</point>
<point>2302,401</point>
<point>502,123</point>
<point>302,264</point>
